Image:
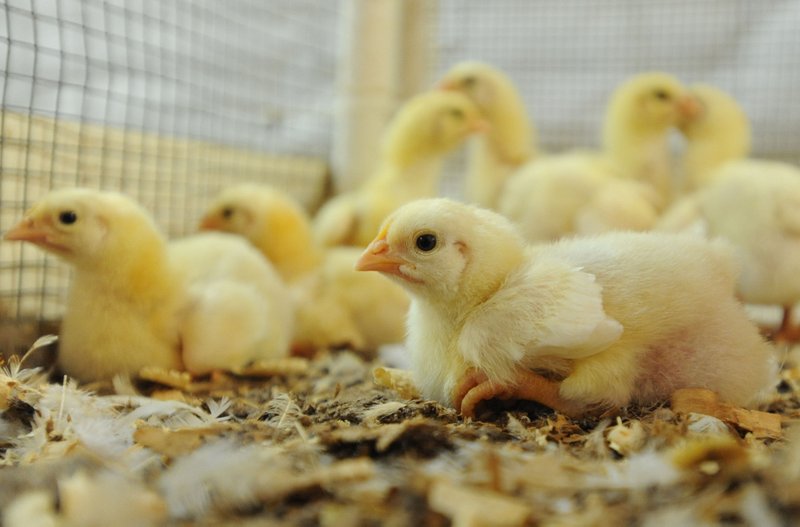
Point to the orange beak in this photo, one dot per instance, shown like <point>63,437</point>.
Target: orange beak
<point>445,85</point>
<point>378,257</point>
<point>479,126</point>
<point>210,223</point>
<point>26,231</point>
<point>689,107</point>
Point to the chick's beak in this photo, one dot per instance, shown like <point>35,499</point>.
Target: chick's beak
<point>378,257</point>
<point>26,231</point>
<point>446,85</point>
<point>689,108</point>
<point>479,126</point>
<point>209,223</point>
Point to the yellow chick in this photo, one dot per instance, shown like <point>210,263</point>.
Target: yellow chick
<point>335,305</point>
<point>718,132</point>
<point>510,140</point>
<point>753,204</point>
<point>273,222</point>
<point>618,318</point>
<point>623,187</point>
<point>135,301</point>
<point>424,129</point>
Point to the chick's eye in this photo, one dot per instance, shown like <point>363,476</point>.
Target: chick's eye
<point>426,242</point>
<point>227,213</point>
<point>457,113</point>
<point>661,95</point>
<point>67,217</point>
<point>469,82</point>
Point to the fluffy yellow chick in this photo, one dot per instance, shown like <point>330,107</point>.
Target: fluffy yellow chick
<point>510,140</point>
<point>618,318</point>
<point>336,306</point>
<point>424,129</point>
<point>621,188</point>
<point>272,222</point>
<point>136,302</point>
<point>751,203</point>
<point>717,133</point>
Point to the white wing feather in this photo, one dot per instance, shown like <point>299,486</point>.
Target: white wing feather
<point>548,308</point>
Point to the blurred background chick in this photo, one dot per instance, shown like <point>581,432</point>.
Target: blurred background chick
<point>510,140</point>
<point>622,187</point>
<point>423,130</point>
<point>335,305</point>
<point>752,203</point>
<point>136,301</point>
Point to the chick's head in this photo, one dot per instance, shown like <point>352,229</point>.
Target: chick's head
<point>650,102</point>
<point>444,250</point>
<point>271,220</point>
<point>85,226</point>
<point>432,123</point>
<point>235,211</point>
<point>482,83</point>
<point>718,115</point>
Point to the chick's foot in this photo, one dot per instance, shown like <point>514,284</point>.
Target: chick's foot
<point>475,387</point>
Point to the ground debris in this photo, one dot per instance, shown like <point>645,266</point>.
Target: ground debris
<point>339,440</point>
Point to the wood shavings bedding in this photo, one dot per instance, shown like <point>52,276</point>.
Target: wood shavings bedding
<point>325,442</point>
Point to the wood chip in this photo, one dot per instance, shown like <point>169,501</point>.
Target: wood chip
<point>702,401</point>
<point>472,507</point>
<point>172,378</point>
<point>270,368</point>
<point>176,442</point>
<point>340,472</point>
<point>397,380</point>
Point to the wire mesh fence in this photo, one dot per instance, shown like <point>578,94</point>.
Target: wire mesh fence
<point>165,101</point>
<point>170,101</point>
<point>567,56</point>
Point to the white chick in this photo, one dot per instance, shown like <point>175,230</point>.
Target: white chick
<point>510,140</point>
<point>751,203</point>
<point>624,187</point>
<point>235,308</point>
<point>134,301</point>
<point>424,129</point>
<point>336,305</point>
<point>620,318</point>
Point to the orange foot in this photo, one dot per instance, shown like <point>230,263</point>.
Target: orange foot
<point>475,387</point>
<point>787,332</point>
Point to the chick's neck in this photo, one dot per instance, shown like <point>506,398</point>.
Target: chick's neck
<point>135,268</point>
<point>511,136</point>
<point>483,277</point>
<point>288,243</point>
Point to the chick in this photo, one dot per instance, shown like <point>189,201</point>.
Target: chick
<point>624,187</point>
<point>272,222</point>
<point>635,131</point>
<point>510,140</point>
<point>335,305</point>
<point>424,129</point>
<point>135,301</point>
<point>618,318</point>
<point>718,132</point>
<point>234,311</point>
<point>751,203</point>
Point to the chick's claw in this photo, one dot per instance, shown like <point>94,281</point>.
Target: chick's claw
<point>475,387</point>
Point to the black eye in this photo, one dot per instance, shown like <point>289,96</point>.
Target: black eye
<point>227,213</point>
<point>457,113</point>
<point>426,242</point>
<point>469,82</point>
<point>662,95</point>
<point>67,217</point>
